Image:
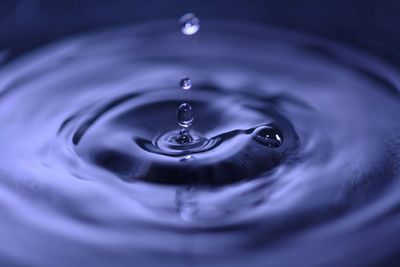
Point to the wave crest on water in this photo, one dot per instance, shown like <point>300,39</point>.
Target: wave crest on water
<point>84,182</point>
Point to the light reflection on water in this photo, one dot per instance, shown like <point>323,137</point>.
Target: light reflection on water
<point>330,199</point>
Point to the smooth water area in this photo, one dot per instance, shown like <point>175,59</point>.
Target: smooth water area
<point>293,158</point>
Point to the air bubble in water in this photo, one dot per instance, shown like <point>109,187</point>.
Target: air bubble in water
<point>185,83</point>
<point>269,136</point>
<point>185,115</point>
<point>189,24</point>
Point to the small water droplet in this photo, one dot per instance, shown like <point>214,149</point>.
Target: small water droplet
<point>185,115</point>
<point>185,83</point>
<point>189,24</point>
<point>269,136</point>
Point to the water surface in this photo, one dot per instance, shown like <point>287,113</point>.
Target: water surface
<point>86,181</point>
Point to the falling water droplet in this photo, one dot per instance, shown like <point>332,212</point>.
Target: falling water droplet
<point>269,136</point>
<point>185,115</point>
<point>189,24</point>
<point>185,83</point>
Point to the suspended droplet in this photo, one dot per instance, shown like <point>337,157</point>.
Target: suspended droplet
<point>185,83</point>
<point>185,115</point>
<point>189,24</point>
<point>269,136</point>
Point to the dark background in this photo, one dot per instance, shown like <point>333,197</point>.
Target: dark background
<point>25,24</point>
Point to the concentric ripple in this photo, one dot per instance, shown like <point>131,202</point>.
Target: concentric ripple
<point>294,159</point>
<point>136,140</point>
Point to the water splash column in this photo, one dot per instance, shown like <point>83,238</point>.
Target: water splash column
<point>189,25</point>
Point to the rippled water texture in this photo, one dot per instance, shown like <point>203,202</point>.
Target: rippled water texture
<point>89,177</point>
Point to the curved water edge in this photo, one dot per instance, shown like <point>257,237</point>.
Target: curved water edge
<point>75,176</point>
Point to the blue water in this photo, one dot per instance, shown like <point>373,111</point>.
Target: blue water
<point>88,177</point>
